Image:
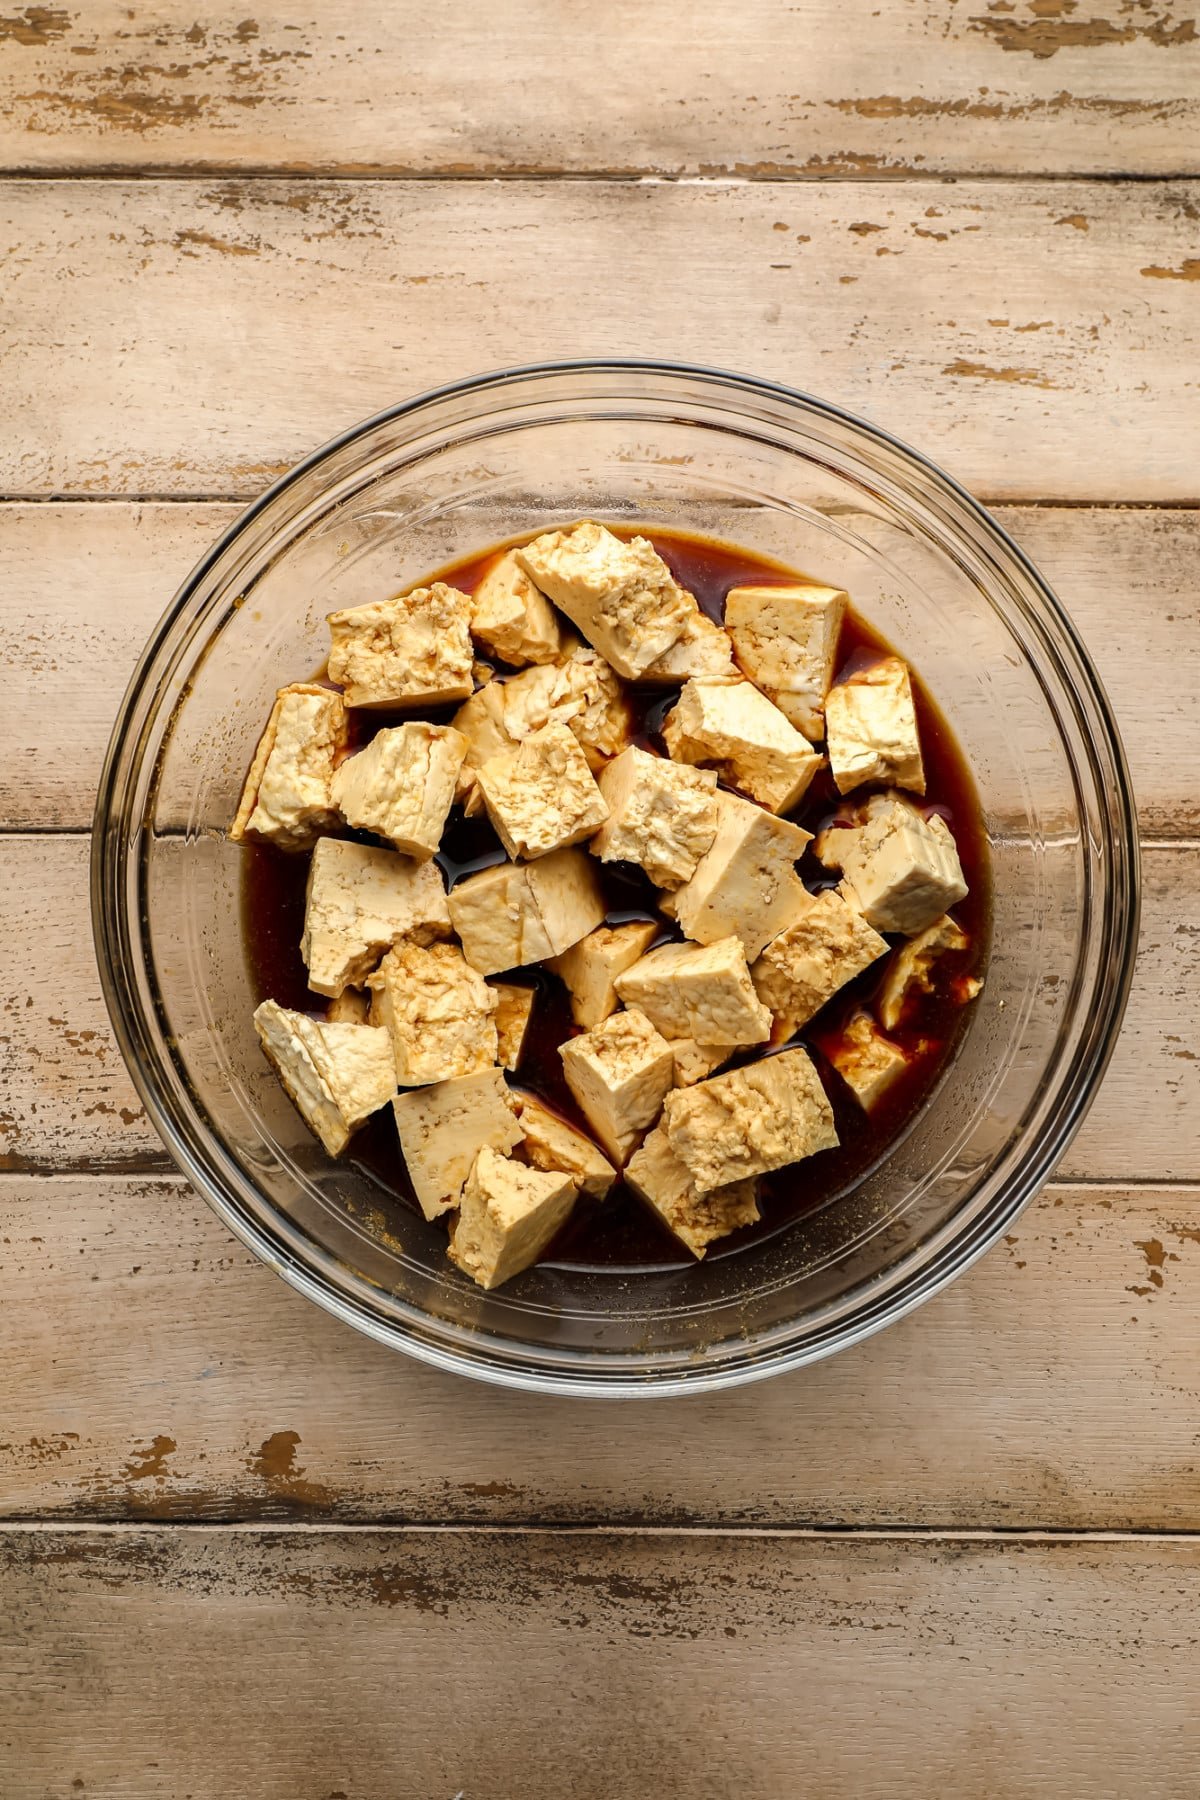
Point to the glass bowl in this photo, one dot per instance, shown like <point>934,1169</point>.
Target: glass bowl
<point>693,449</point>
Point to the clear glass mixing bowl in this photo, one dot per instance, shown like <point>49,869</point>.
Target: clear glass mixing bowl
<point>694,449</point>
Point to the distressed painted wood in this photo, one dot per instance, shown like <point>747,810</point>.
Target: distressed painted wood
<point>415,87</point>
<point>197,337</point>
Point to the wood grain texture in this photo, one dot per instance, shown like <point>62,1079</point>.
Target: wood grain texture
<point>924,87</point>
<point>197,338</point>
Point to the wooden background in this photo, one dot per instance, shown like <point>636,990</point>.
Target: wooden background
<point>247,1555</point>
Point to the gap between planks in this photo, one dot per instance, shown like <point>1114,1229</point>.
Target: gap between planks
<point>648,176</point>
<point>822,1534</point>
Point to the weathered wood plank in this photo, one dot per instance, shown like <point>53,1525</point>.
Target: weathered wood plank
<point>416,87</point>
<point>1036,338</point>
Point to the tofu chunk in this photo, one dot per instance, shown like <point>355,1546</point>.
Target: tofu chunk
<point>750,1120</point>
<point>287,799</point>
<point>512,618</point>
<point>542,796</point>
<point>729,726</point>
<point>746,884</point>
<point>514,1009</point>
<point>359,901</point>
<point>480,720</point>
<point>867,1062</point>
<point>514,914</point>
<point>619,1073</point>
<point>401,786</point>
<point>336,1075</point>
<point>910,971</point>
<point>702,648</point>
<point>785,639</point>
<point>590,967</point>
<point>411,651</point>
<point>656,1174</point>
<point>579,690</point>
<point>351,1007</point>
<point>694,1062</point>
<point>900,869</point>
<point>444,1127</point>
<point>871,728</point>
<point>827,946</point>
<point>700,991</point>
<point>440,1012</point>
<point>550,1143</point>
<point>620,595</point>
<point>507,1216</point>
<point>661,815</point>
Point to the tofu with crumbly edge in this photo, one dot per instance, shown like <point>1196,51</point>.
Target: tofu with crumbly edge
<point>871,728</point>
<point>439,1010</point>
<point>512,618</point>
<point>514,914</point>
<point>480,720</point>
<point>287,799</point>
<point>443,1128</point>
<point>694,1062</point>
<point>590,967</point>
<point>620,594</point>
<point>867,1062</point>
<point>661,815</point>
<point>746,884</point>
<point>750,1120</point>
<point>619,1073</point>
<point>729,726</point>
<point>414,650</point>
<point>514,1009</point>
<point>827,946</point>
<point>401,786</point>
<point>785,639</point>
<point>550,1143</point>
<point>351,1007</point>
<point>336,1075</point>
<point>359,901</point>
<point>542,796</point>
<point>910,971</point>
<point>507,1215</point>
<point>656,1174</point>
<point>900,869</point>
<point>702,648</point>
<point>579,690</point>
<point>700,991</point>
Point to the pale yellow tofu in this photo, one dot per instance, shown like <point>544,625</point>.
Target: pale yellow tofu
<point>579,690</point>
<point>827,946</point>
<point>900,869</point>
<point>414,650</point>
<point>550,1143</point>
<point>700,991</point>
<point>444,1127</point>
<point>351,1007</point>
<point>402,785</point>
<point>359,901</point>
<point>287,799</point>
<point>697,1220</point>
<point>869,1063</point>
<point>512,618</point>
<point>910,971</point>
<point>732,728</point>
<point>619,1073</point>
<point>785,639</point>
<point>750,1120</point>
<point>514,914</point>
<point>514,1009</point>
<point>661,815</point>
<point>590,967</point>
<point>702,648</point>
<point>507,1216</point>
<point>336,1075</point>
<point>439,1010</point>
<point>695,1062</point>
<point>542,796</point>
<point>620,595</point>
<point>480,720</point>
<point>871,728</point>
<point>746,884</point>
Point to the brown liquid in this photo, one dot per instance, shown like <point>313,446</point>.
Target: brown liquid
<point>622,1234</point>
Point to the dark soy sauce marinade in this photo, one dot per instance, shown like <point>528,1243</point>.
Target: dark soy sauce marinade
<point>621,1233</point>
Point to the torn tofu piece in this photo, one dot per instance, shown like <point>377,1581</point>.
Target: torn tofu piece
<point>900,869</point>
<point>542,796</point>
<point>785,639</point>
<point>402,785</point>
<point>514,1009</point>
<point>910,971</point>
<point>827,946</point>
<point>729,726</point>
<point>871,728</point>
<point>702,648</point>
<point>700,991</point>
<point>351,1007</point>
<point>336,1075</point>
<point>867,1062</point>
<point>507,1215</point>
<point>287,799</point>
<point>579,690</point>
<point>480,720</point>
<point>619,1073</point>
<point>661,815</point>
<point>512,618</point>
<point>439,1010</point>
<point>746,884</point>
<point>750,1120</point>
<point>590,967</point>
<point>359,901</point>
<point>695,1062</point>
<point>620,595</point>
<point>514,914</point>
<point>411,651</point>
<point>550,1143</point>
<point>444,1127</point>
<point>656,1174</point>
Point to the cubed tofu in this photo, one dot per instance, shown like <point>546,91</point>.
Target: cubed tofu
<point>700,991</point>
<point>867,1062</point>
<point>514,914</point>
<point>507,1216</point>
<point>550,1143</point>
<point>910,971</point>
<point>746,884</point>
<point>750,1120</point>
<point>620,595</point>
<point>444,1127</point>
<point>900,869</point>
<point>512,618</point>
<point>785,639</point>
<point>827,946</point>
<point>542,796</point>
<point>729,726</point>
<point>589,968</point>
<point>411,651</point>
<point>514,1009</point>
<point>695,1062</point>
<point>287,799</point>
<point>579,690</point>
<point>351,1007</point>
<point>871,728</point>
<point>661,815</point>
<point>336,1075</point>
<point>697,1220</point>
<point>480,720</point>
<point>439,1010</point>
<point>359,901</point>
<point>619,1073</point>
<point>702,648</point>
<point>401,786</point>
